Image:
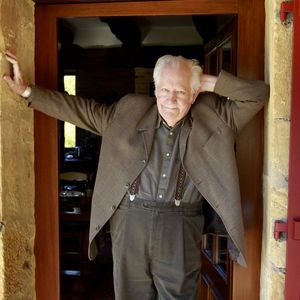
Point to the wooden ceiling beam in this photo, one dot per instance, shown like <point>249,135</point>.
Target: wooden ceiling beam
<point>137,8</point>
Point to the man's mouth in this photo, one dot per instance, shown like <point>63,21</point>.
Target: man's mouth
<point>168,107</point>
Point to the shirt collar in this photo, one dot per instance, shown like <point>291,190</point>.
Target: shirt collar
<point>186,120</point>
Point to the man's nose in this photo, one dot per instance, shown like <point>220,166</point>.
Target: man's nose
<point>173,95</point>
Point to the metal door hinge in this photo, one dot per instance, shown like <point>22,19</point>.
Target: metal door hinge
<point>280,229</point>
<point>286,7</point>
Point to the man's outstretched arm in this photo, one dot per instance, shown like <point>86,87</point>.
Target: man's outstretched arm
<point>84,113</point>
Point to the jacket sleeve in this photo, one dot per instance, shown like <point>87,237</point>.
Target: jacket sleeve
<point>239,100</point>
<point>84,113</point>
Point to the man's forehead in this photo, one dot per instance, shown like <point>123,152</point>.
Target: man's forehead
<point>182,65</point>
<point>175,73</point>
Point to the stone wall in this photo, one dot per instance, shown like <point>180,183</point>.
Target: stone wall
<point>17,264</point>
<point>277,125</point>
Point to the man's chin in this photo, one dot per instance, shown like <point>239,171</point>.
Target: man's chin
<point>170,113</point>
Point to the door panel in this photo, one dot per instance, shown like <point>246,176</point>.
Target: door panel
<point>216,274</point>
<point>46,149</point>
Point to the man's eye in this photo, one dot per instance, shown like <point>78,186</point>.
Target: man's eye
<point>164,90</point>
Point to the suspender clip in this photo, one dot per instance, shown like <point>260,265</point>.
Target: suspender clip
<point>131,197</point>
<point>177,202</point>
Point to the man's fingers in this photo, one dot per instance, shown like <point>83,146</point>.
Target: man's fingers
<point>13,60</point>
<point>16,68</point>
<point>10,55</point>
<point>17,88</point>
<point>15,82</point>
<point>9,81</point>
<point>17,74</point>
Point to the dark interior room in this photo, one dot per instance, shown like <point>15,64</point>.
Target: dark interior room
<point>105,58</point>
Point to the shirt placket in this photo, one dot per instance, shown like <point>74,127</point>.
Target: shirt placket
<point>168,152</point>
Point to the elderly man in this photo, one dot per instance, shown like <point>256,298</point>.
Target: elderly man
<point>160,160</point>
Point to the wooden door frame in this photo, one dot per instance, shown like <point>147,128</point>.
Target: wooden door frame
<point>292,290</point>
<point>250,63</point>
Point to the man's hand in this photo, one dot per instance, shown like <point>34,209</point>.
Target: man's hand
<point>208,83</point>
<point>16,82</point>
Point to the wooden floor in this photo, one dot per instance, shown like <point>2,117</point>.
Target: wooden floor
<point>96,286</point>
<point>96,283</point>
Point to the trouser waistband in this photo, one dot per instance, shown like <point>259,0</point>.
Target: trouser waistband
<point>161,206</point>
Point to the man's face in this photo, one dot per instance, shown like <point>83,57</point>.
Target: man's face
<point>173,93</point>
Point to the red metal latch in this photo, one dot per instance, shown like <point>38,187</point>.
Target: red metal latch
<point>279,228</point>
<point>285,8</point>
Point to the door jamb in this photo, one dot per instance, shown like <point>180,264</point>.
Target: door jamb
<point>249,64</point>
<point>292,277</point>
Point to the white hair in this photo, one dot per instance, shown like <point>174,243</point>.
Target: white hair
<point>177,61</point>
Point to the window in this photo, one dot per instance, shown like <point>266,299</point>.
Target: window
<point>70,129</point>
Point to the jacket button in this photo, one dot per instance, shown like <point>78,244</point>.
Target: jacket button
<point>144,161</point>
<point>127,185</point>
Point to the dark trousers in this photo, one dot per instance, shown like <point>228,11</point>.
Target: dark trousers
<point>156,250</point>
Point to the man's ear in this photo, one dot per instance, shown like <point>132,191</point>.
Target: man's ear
<point>195,94</point>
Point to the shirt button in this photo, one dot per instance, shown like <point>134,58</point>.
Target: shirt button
<point>164,175</point>
<point>127,186</point>
<point>144,161</point>
<point>160,196</point>
<point>167,154</point>
<point>113,207</point>
<point>171,133</point>
<point>98,228</point>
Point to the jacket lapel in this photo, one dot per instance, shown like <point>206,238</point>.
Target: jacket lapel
<point>147,126</point>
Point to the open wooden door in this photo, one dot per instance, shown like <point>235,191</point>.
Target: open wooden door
<point>250,62</point>
<point>216,275</point>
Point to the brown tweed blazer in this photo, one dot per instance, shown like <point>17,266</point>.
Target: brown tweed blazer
<point>206,148</point>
